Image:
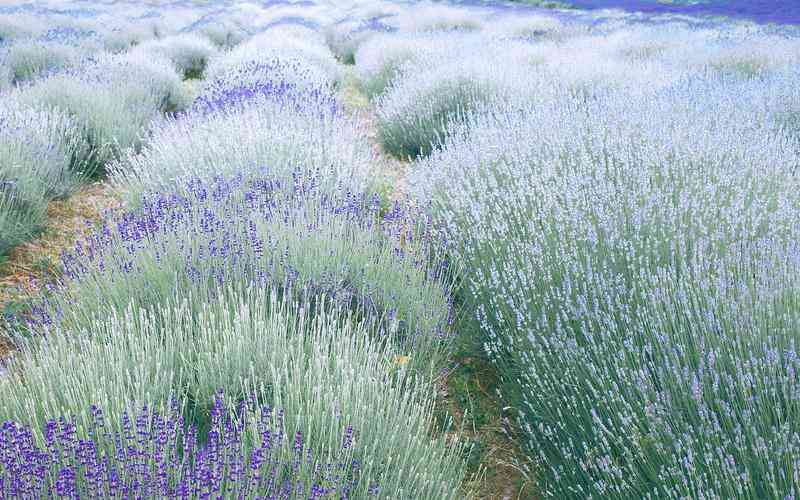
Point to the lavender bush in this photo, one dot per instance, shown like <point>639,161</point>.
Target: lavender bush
<point>237,230</point>
<point>113,100</point>
<point>189,53</point>
<point>345,37</point>
<point>328,365</point>
<point>296,45</point>
<point>430,16</point>
<point>255,132</point>
<point>40,155</point>
<point>380,58</point>
<point>418,108</point>
<point>27,59</point>
<point>282,80</point>
<point>119,37</point>
<point>223,33</point>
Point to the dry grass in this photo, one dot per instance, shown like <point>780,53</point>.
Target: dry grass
<point>355,102</point>
<point>468,395</point>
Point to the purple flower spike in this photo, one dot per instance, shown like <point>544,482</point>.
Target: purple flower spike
<point>156,456</point>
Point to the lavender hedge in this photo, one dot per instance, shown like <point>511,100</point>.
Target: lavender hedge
<point>237,230</point>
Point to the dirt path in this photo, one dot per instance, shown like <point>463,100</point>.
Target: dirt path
<point>35,263</point>
<point>468,391</point>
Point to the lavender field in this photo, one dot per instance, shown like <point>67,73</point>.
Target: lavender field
<point>402,250</point>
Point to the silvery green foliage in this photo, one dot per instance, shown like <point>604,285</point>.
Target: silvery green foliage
<point>740,53</point>
<point>662,54</point>
<point>380,58</point>
<point>223,33</point>
<point>113,100</point>
<point>20,25</point>
<point>288,43</point>
<point>417,109</point>
<point>635,279</point>
<point>367,9</point>
<point>344,38</point>
<point>265,136</point>
<point>39,161</point>
<point>143,74</point>
<point>623,59</point>
<point>118,359</point>
<point>189,53</point>
<point>122,37</point>
<point>430,16</point>
<point>27,59</point>
<point>441,83</point>
<point>110,121</point>
<point>533,26</point>
<point>18,221</point>
<point>325,369</point>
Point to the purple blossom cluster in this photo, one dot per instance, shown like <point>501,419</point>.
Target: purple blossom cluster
<point>258,79</point>
<point>230,208</point>
<point>213,234</point>
<point>67,35</point>
<point>163,456</point>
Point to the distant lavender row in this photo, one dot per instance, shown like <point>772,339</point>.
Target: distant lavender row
<point>761,11</point>
<point>445,62</point>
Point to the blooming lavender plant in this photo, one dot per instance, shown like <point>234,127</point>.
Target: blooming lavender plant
<point>286,81</point>
<point>331,368</point>
<point>296,45</point>
<point>240,229</point>
<point>245,454</point>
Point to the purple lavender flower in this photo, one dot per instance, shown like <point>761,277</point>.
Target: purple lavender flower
<point>263,80</point>
<point>163,459</point>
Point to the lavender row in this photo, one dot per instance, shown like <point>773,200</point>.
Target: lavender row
<point>633,280</point>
